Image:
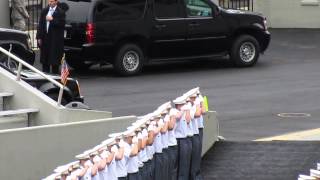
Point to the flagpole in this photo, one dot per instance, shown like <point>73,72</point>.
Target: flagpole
<point>63,84</point>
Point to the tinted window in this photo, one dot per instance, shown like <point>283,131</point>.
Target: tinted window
<point>77,11</point>
<point>198,8</point>
<point>119,10</point>
<point>168,9</point>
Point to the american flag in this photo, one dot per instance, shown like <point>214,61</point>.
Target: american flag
<point>64,71</point>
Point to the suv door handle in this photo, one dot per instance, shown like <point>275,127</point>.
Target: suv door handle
<point>193,24</point>
<point>160,26</point>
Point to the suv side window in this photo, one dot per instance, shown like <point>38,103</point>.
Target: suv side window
<point>198,8</point>
<point>165,9</point>
<point>119,10</point>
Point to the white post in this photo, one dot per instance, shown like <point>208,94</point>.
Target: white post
<point>60,96</point>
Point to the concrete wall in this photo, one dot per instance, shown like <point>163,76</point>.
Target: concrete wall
<point>290,13</point>
<point>33,153</point>
<point>25,96</point>
<point>4,16</point>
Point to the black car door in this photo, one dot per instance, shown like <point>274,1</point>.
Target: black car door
<point>168,30</point>
<point>207,31</point>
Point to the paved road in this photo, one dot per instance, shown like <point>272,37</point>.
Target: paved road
<point>286,79</point>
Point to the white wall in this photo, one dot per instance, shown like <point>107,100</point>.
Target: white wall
<point>4,14</point>
<point>290,13</point>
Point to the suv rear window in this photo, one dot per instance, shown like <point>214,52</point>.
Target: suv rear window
<point>119,10</point>
<point>168,9</point>
<point>77,10</point>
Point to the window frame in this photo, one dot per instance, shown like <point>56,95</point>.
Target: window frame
<point>209,3</point>
<point>112,20</point>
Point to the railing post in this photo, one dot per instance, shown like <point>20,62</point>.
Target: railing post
<point>19,72</point>
<point>60,96</point>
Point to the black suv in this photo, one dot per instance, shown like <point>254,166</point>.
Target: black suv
<point>130,33</point>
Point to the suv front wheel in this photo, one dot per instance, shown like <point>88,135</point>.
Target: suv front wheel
<point>129,60</point>
<point>245,51</point>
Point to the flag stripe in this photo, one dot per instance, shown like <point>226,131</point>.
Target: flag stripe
<point>64,72</point>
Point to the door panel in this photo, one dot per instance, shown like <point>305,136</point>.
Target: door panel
<point>168,32</point>
<point>207,32</point>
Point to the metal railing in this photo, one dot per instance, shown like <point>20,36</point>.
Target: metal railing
<point>237,4</point>
<point>23,63</point>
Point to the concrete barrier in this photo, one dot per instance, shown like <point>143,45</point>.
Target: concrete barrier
<point>33,153</point>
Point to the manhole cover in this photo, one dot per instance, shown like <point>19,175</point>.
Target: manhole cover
<point>293,115</point>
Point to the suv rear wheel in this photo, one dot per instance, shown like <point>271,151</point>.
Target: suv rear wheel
<point>245,51</point>
<point>129,60</point>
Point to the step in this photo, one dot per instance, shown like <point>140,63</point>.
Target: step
<point>6,94</point>
<point>12,122</point>
<point>17,112</point>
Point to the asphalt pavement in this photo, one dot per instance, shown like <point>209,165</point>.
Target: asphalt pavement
<point>249,101</point>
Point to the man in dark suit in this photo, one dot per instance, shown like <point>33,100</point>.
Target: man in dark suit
<point>50,36</point>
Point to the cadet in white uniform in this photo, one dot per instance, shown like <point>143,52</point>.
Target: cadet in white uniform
<point>196,143</point>
<point>143,135</point>
<point>121,169</point>
<point>85,166</point>
<point>158,169</point>
<point>150,149</point>
<point>165,145</point>
<point>172,142</point>
<point>131,152</point>
<point>184,143</point>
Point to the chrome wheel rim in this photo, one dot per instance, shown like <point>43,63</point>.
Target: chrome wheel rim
<point>131,60</point>
<point>247,52</point>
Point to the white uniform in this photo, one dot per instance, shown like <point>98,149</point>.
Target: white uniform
<point>181,127</point>
<point>172,141</point>
<point>112,168</point>
<point>150,148</point>
<point>143,155</point>
<point>87,175</point>
<point>199,99</point>
<point>194,121</point>
<point>97,176</point>
<point>189,126</point>
<point>121,164</point>
<point>158,141</point>
<point>132,162</point>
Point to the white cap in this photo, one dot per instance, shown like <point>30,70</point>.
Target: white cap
<point>164,107</point>
<point>116,135</point>
<point>314,173</point>
<point>108,142</point>
<point>61,169</point>
<point>82,156</point>
<point>305,177</point>
<point>180,100</point>
<point>128,133</point>
<point>134,128</point>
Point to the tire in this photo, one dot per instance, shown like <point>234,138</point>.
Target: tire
<point>245,51</point>
<point>129,60</point>
<point>76,63</point>
<point>55,95</point>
